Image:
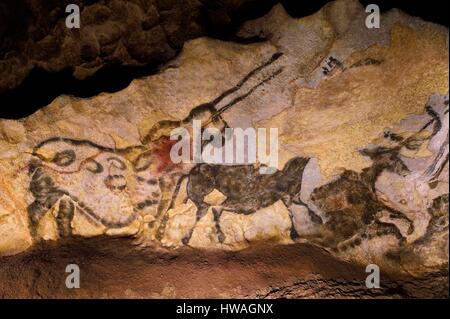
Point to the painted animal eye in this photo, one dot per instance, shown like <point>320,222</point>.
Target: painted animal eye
<point>64,158</point>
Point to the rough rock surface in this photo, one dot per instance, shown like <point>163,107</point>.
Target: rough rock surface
<point>33,33</point>
<point>362,116</point>
<point>110,269</point>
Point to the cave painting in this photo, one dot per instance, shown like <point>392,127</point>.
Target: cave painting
<point>79,175</point>
<point>115,187</point>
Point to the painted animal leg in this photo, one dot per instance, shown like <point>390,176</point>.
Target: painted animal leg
<point>201,211</point>
<point>36,211</point>
<point>294,235</point>
<point>314,217</point>
<point>217,212</point>
<point>65,216</point>
<point>389,229</point>
<point>373,230</point>
<point>161,219</point>
<point>288,203</point>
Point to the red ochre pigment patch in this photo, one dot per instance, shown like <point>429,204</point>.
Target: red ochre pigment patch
<point>161,153</point>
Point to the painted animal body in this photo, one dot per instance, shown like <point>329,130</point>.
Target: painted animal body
<point>246,190</point>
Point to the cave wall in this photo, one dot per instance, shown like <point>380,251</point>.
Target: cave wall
<point>362,118</point>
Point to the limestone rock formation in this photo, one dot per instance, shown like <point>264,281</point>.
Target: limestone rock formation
<point>362,118</point>
<point>33,33</point>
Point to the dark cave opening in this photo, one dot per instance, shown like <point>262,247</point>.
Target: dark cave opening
<point>432,10</point>
<point>41,87</point>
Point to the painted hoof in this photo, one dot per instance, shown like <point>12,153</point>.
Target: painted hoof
<point>221,237</point>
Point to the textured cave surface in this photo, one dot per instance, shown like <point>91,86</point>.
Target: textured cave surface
<point>132,33</point>
<point>110,269</point>
<point>362,177</point>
